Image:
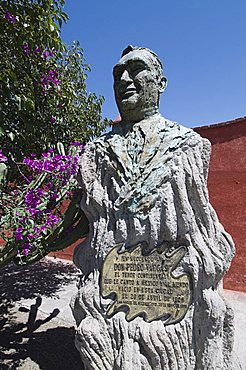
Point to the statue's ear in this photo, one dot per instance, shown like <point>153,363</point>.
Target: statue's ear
<point>162,84</point>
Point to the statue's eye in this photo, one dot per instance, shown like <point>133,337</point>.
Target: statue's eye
<point>136,68</point>
<point>136,71</point>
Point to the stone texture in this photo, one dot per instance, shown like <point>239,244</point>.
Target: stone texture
<point>146,182</point>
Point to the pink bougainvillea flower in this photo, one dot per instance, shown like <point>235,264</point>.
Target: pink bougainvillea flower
<point>26,49</point>
<point>10,17</point>
<point>18,233</point>
<point>78,144</point>
<point>51,219</point>
<point>30,236</point>
<point>2,157</point>
<point>45,54</point>
<point>26,248</point>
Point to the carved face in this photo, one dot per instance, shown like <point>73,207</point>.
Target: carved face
<point>137,85</point>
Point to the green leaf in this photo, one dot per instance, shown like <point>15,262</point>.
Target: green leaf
<point>31,95</point>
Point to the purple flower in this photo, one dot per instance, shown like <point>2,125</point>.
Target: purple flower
<point>18,233</point>
<point>53,196</point>
<point>51,220</point>
<point>62,166</point>
<point>50,78</point>
<point>78,144</point>
<point>33,211</point>
<point>44,80</point>
<point>37,49</point>
<point>52,120</point>
<point>45,54</point>
<point>32,198</point>
<point>49,185</point>
<point>75,143</point>
<point>26,248</point>
<point>56,81</point>
<point>26,49</point>
<point>40,192</point>
<point>2,157</point>
<point>10,17</point>
<point>36,231</point>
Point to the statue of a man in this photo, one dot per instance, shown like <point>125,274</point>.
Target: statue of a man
<point>145,182</point>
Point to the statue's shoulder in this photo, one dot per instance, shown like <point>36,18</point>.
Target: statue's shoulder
<point>183,138</point>
<point>106,140</point>
<point>184,132</point>
<point>99,142</point>
<point>177,128</point>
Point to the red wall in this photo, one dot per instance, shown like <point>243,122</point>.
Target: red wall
<point>67,253</point>
<point>227,189</point>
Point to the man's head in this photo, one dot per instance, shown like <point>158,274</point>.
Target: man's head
<point>138,83</point>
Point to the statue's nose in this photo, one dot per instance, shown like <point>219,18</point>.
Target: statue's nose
<point>126,77</point>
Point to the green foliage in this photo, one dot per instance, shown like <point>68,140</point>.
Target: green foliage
<point>43,83</point>
<point>44,106</point>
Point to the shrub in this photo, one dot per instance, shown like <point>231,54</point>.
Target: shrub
<point>44,108</point>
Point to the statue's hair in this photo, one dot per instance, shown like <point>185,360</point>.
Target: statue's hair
<point>157,61</point>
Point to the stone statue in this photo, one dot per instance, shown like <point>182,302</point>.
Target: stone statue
<point>145,192</point>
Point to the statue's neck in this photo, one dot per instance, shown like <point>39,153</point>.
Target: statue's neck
<point>127,124</point>
<point>135,116</point>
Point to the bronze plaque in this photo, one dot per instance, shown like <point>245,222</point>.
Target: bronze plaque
<point>145,284</point>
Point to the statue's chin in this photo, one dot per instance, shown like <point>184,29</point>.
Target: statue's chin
<point>135,108</point>
<point>130,107</point>
<point>132,102</point>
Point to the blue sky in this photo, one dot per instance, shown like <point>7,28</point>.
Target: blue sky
<point>202,44</point>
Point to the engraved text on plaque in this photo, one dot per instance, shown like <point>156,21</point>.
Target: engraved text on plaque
<point>145,284</point>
